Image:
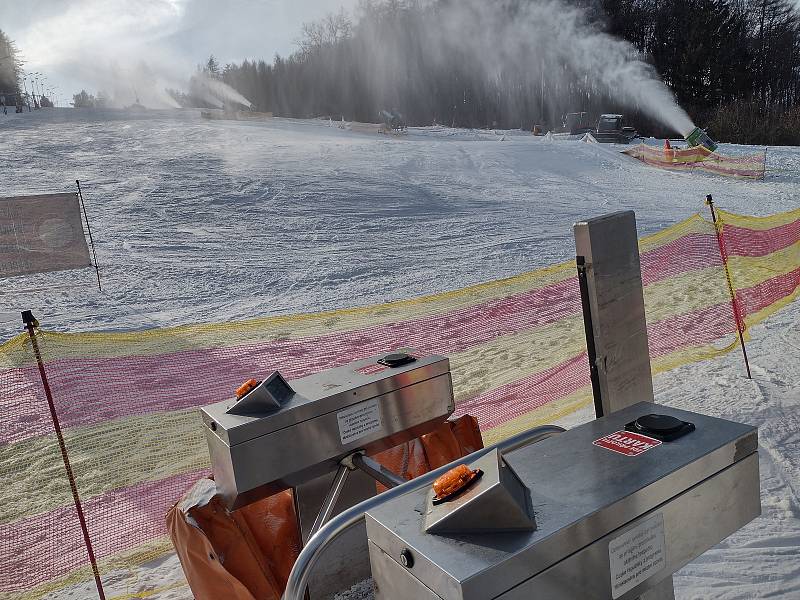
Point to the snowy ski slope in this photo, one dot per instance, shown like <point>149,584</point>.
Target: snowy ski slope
<point>200,220</point>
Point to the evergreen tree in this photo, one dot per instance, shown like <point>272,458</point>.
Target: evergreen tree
<point>10,66</point>
<point>84,99</point>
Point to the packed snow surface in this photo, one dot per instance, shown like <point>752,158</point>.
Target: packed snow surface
<point>199,220</point>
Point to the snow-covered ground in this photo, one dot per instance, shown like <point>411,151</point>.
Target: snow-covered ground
<point>200,220</point>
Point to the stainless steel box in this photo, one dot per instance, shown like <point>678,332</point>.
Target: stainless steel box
<point>609,523</point>
<point>362,405</point>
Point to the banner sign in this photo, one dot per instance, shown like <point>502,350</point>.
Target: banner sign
<point>42,233</point>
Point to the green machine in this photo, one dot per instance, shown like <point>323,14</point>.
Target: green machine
<point>698,137</point>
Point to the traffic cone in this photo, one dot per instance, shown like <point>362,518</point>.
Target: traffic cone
<point>669,153</point>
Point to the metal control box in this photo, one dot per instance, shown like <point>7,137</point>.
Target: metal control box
<point>363,405</point>
<point>616,513</point>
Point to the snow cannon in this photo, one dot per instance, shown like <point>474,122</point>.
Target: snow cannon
<point>307,434</point>
<point>699,137</point>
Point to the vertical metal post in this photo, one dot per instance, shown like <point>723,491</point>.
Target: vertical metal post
<point>89,229</point>
<point>663,591</point>
<point>612,293</point>
<point>30,324</point>
<point>588,328</point>
<point>737,313</point>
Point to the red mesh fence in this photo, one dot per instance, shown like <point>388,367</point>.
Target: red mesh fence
<point>127,402</point>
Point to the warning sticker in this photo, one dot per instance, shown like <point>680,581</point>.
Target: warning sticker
<point>637,555</point>
<point>627,443</point>
<point>372,369</point>
<point>359,421</point>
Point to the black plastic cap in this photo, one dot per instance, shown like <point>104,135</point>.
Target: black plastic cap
<point>661,427</point>
<point>397,360</point>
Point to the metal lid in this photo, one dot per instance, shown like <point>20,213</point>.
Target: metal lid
<point>658,424</point>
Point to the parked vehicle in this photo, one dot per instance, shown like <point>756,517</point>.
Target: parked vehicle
<point>576,123</point>
<point>611,129</point>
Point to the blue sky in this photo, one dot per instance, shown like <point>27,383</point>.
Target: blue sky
<point>76,42</point>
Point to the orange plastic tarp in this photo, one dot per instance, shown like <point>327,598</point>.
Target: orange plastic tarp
<point>248,554</point>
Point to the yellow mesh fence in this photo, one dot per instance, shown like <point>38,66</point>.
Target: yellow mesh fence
<point>699,158</point>
<point>127,402</point>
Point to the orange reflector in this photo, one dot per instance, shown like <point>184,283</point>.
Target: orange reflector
<point>243,389</point>
<point>452,482</point>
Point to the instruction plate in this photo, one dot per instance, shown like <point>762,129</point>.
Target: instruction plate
<point>637,555</point>
<point>359,421</point>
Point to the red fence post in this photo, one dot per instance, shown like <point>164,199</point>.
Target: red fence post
<point>31,323</point>
<point>740,325</point>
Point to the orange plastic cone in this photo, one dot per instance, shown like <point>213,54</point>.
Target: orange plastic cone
<point>669,153</point>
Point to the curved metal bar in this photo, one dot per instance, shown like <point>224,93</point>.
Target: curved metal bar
<point>298,578</point>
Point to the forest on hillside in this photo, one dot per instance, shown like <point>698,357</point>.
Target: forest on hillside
<point>10,66</point>
<point>733,65</point>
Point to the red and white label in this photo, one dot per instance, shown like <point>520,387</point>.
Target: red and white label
<point>627,443</point>
<point>372,369</point>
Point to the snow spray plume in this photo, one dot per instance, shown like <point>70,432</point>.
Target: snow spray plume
<point>138,83</point>
<point>215,92</point>
<point>523,47</point>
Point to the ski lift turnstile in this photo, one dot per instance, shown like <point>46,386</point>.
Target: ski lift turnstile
<point>315,435</point>
<point>608,510</point>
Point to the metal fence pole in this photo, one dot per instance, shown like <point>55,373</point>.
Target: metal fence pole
<point>89,229</point>
<point>30,324</point>
<point>736,311</point>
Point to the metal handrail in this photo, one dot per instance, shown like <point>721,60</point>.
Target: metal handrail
<point>298,578</point>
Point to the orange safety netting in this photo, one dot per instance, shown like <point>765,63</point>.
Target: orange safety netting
<point>700,158</point>
<point>128,402</point>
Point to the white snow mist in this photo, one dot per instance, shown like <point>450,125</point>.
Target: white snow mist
<point>539,44</point>
<point>216,92</point>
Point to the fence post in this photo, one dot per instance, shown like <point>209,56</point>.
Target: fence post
<point>89,229</point>
<point>30,324</point>
<point>723,253</point>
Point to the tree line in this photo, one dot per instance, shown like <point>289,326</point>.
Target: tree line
<point>10,66</point>
<point>12,87</point>
<point>734,65</point>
